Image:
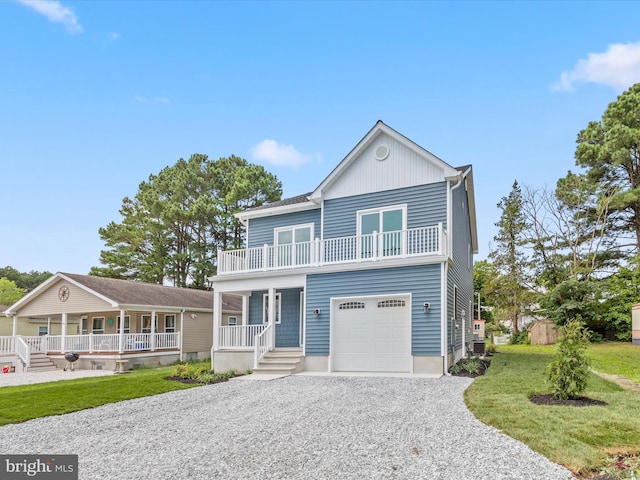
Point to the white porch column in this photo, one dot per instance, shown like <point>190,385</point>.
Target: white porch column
<point>15,326</point>
<point>272,315</point>
<point>180,331</point>
<point>63,336</point>
<point>217,319</point>
<point>121,333</point>
<point>245,310</point>
<point>153,331</point>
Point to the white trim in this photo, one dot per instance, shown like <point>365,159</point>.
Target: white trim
<point>281,210</point>
<point>175,325</point>
<point>277,313</point>
<point>293,228</point>
<point>302,310</point>
<point>235,320</point>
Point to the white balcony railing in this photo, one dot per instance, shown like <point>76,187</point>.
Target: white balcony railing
<point>239,336</point>
<point>358,248</point>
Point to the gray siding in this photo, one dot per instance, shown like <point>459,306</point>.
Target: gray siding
<point>423,282</point>
<point>288,330</point>
<point>261,229</point>
<point>461,274</point>
<point>426,205</point>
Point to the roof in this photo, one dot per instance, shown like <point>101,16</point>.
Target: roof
<point>284,202</point>
<point>131,293</point>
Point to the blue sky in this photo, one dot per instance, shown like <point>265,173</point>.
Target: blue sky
<point>96,96</point>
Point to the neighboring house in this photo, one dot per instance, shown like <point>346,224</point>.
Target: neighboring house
<point>372,271</point>
<point>80,313</point>
<point>478,329</point>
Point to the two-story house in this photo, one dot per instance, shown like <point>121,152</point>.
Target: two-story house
<point>372,271</point>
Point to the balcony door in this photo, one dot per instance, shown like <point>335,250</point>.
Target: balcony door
<point>389,222</point>
<point>293,245</point>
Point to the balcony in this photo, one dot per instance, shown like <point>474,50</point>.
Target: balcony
<point>416,242</point>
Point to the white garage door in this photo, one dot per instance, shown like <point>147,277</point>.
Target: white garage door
<point>372,334</point>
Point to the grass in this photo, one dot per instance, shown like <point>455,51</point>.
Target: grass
<point>21,403</point>
<point>580,438</point>
<point>617,359</point>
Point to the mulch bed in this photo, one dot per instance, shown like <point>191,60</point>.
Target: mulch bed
<point>484,365</point>
<point>547,399</point>
<point>191,381</point>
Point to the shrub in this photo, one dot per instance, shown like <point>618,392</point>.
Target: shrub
<point>569,371</point>
<point>470,365</point>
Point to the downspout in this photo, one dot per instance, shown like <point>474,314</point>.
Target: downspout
<point>446,280</point>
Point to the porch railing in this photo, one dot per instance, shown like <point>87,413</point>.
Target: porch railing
<point>239,336</point>
<point>97,343</point>
<point>7,345</point>
<point>431,240</point>
<point>23,351</point>
<point>263,343</point>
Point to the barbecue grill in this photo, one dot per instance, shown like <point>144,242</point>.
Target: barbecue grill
<point>71,358</point>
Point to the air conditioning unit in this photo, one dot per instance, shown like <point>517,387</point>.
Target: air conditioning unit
<point>479,347</point>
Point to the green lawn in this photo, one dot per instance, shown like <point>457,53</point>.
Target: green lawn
<point>581,438</point>
<point>22,403</point>
<point>617,359</point>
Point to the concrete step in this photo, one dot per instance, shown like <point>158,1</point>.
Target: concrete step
<point>280,362</point>
<point>40,362</point>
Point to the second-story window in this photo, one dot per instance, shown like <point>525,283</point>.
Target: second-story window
<point>387,223</point>
<point>293,245</point>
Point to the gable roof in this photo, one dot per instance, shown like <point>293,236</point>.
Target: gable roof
<point>380,128</point>
<point>127,294</point>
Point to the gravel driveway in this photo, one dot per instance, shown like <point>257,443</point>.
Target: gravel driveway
<point>298,427</point>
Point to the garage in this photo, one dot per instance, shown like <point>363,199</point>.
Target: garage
<point>371,334</point>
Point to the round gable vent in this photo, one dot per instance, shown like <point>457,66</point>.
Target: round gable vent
<point>382,152</point>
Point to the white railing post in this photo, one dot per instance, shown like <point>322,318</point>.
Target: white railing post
<point>265,253</point>
<point>91,342</point>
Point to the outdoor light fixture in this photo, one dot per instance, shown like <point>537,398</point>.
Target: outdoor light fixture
<point>316,312</point>
<point>193,315</point>
<point>426,307</point>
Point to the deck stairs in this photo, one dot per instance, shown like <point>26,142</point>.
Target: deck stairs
<point>40,362</point>
<point>281,361</point>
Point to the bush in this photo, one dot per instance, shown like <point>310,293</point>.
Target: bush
<point>521,338</point>
<point>470,365</point>
<point>568,373</point>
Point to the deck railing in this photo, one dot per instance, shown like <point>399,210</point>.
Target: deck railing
<point>375,246</point>
<point>23,351</point>
<point>7,345</point>
<point>239,336</point>
<point>97,343</point>
<point>264,342</point>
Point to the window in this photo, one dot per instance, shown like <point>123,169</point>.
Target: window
<point>170,323</point>
<point>84,329</point>
<point>98,325</point>
<point>293,245</point>
<point>391,303</point>
<point>476,326</point>
<point>43,330</point>
<point>146,323</point>
<point>232,321</point>
<point>388,223</point>
<point>351,305</point>
<point>265,308</point>
<point>127,323</point>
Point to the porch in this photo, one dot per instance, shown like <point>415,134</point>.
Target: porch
<point>98,345</point>
<point>415,242</point>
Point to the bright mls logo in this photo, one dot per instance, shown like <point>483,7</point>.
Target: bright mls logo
<point>46,467</point>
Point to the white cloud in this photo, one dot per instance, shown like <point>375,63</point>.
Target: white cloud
<point>152,100</point>
<point>618,67</point>
<point>113,36</point>
<point>276,154</point>
<point>56,13</point>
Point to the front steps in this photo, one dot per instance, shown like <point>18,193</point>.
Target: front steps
<point>40,362</point>
<point>280,362</point>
